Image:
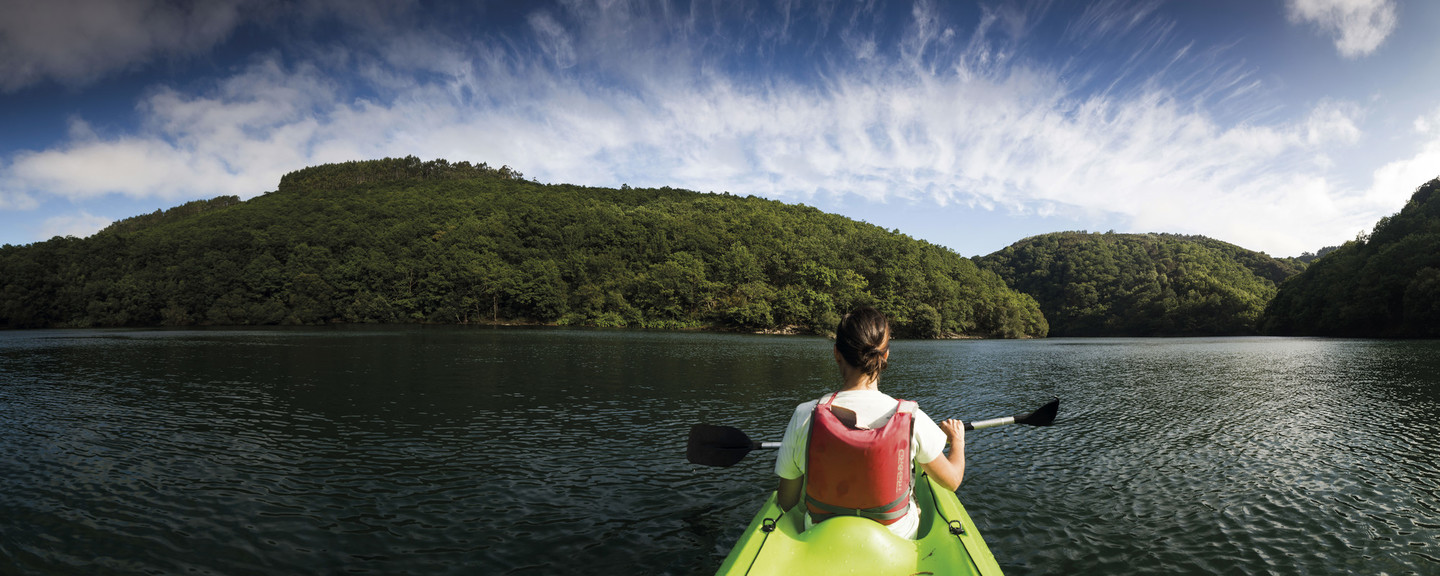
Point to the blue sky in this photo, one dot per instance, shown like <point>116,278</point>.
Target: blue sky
<point>1281,125</point>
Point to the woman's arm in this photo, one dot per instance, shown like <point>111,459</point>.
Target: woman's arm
<point>788,494</point>
<point>949,469</point>
<point>791,459</point>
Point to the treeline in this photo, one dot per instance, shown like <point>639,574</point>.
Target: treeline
<point>408,169</point>
<point>186,210</point>
<point>400,240</point>
<point>1091,284</point>
<point>1386,284</point>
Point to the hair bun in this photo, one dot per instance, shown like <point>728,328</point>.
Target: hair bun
<point>863,338</point>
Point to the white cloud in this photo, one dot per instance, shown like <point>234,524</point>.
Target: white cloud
<point>1332,121</point>
<point>79,225</point>
<point>13,199</point>
<point>1396,181</point>
<point>238,140</point>
<point>1428,124</point>
<point>1357,26</point>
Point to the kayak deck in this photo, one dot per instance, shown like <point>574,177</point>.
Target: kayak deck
<point>851,545</point>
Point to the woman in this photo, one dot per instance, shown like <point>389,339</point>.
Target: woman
<point>858,457</point>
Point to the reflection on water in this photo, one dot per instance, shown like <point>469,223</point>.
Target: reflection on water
<point>446,450</point>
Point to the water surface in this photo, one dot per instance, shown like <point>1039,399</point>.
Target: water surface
<point>524,451</point>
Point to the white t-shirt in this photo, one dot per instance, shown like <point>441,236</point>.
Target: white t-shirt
<point>872,409</point>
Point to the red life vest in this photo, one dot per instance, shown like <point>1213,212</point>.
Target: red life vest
<point>858,472</point>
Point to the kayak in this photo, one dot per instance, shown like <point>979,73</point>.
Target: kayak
<point>947,542</point>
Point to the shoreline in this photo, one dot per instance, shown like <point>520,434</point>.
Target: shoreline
<point>786,330</point>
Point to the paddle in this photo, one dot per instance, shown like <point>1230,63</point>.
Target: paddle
<point>1042,416</point>
<point>723,446</point>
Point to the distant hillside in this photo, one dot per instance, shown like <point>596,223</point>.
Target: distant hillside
<point>1308,258</point>
<point>1141,284</point>
<point>400,240</point>
<point>1386,284</point>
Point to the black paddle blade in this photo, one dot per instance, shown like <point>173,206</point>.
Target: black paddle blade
<point>1043,416</point>
<point>721,446</point>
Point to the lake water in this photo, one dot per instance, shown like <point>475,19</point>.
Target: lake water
<point>531,451</point>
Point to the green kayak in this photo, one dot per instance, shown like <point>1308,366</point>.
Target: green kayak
<point>948,542</point>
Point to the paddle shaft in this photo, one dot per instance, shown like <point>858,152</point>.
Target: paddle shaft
<point>991,423</point>
<point>712,445</point>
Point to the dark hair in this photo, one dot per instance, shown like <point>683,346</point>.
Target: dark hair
<point>863,338</point>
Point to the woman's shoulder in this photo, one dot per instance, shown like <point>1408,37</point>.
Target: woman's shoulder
<point>807,407</point>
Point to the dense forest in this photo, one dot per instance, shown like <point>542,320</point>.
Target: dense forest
<point>1091,284</point>
<point>405,241</point>
<point>1385,284</point>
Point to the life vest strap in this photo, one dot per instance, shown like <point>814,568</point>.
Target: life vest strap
<point>880,513</point>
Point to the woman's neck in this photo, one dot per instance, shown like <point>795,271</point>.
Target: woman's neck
<point>857,380</point>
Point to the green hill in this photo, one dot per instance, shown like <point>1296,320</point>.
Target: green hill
<point>400,240</point>
<point>1141,284</point>
<point>1386,284</point>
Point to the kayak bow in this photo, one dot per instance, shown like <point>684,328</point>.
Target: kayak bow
<point>947,543</point>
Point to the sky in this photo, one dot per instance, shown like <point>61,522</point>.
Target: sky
<point>1282,126</point>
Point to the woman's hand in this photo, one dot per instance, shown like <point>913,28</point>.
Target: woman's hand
<point>954,431</point>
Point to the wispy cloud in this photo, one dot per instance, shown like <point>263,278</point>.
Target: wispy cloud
<point>1357,26</point>
<point>1108,20</point>
<point>612,92</point>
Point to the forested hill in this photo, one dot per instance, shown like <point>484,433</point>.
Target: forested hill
<point>1141,284</point>
<point>1386,284</point>
<point>400,240</point>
